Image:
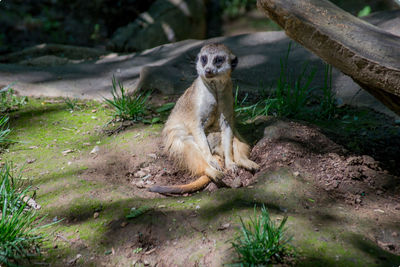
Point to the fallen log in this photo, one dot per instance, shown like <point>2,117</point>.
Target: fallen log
<point>366,53</point>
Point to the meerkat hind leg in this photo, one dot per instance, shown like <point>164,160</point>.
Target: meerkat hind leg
<point>197,164</point>
<point>241,152</point>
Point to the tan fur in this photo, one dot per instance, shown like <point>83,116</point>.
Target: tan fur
<point>202,124</point>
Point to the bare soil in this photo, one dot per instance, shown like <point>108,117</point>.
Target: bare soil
<point>357,181</point>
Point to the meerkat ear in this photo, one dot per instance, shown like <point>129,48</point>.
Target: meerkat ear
<point>234,62</point>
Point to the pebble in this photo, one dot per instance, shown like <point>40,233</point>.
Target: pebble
<point>152,155</point>
<point>236,183</point>
<point>96,215</point>
<point>30,161</point>
<point>95,150</point>
<point>140,184</point>
<point>140,174</point>
<point>65,152</point>
<point>224,226</point>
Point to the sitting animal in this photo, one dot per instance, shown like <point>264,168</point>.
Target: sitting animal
<point>201,126</point>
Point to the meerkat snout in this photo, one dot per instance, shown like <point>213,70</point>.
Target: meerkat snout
<point>215,61</point>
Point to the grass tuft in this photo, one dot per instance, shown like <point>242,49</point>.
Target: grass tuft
<point>293,97</point>
<point>127,106</point>
<point>72,103</point>
<point>9,100</point>
<point>261,241</point>
<point>19,224</point>
<point>4,130</point>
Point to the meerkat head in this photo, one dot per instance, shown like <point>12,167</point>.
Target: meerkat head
<point>215,61</point>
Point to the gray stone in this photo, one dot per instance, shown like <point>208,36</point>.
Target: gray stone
<point>164,22</point>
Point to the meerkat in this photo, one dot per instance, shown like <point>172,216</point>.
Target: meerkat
<point>201,126</point>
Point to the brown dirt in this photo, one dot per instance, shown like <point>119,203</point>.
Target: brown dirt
<point>356,180</point>
<point>334,169</point>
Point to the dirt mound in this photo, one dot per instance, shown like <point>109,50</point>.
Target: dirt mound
<point>307,151</point>
<point>301,147</point>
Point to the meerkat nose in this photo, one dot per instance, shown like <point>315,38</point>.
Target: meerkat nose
<point>208,71</point>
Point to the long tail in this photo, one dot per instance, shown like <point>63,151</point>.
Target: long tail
<point>200,183</point>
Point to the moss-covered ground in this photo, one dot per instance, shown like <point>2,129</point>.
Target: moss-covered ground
<point>53,145</point>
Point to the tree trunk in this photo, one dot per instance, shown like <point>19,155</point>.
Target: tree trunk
<point>370,55</point>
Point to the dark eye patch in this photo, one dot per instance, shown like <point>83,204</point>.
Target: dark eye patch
<point>203,60</point>
<point>218,60</point>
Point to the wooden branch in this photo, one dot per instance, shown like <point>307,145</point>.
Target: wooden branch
<point>370,55</point>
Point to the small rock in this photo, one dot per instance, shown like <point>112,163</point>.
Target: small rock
<point>140,174</point>
<point>150,251</point>
<point>395,234</point>
<point>65,152</point>
<point>147,176</point>
<point>140,184</point>
<point>33,147</point>
<point>123,224</point>
<point>237,183</point>
<point>95,150</point>
<point>161,206</point>
<point>152,155</point>
<point>296,174</point>
<point>94,110</point>
<point>197,207</point>
<point>146,263</point>
<point>86,144</point>
<point>96,215</point>
<point>73,261</point>
<point>379,210</point>
<point>31,203</point>
<point>224,227</point>
<point>30,161</point>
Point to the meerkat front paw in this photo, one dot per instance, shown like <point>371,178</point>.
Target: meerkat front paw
<point>249,165</point>
<point>231,166</point>
<point>214,163</point>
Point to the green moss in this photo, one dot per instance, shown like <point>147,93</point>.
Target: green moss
<point>46,130</point>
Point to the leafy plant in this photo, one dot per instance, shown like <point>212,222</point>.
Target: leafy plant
<point>137,212</point>
<point>364,12</point>
<point>261,241</point>
<point>127,106</point>
<point>19,224</point>
<point>9,100</point>
<point>72,103</point>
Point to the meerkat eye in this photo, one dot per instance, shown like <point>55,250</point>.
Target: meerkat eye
<point>203,60</point>
<point>218,60</point>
